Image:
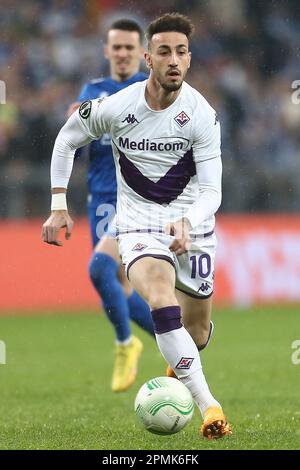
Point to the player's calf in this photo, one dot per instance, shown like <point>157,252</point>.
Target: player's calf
<point>203,337</point>
<point>201,342</point>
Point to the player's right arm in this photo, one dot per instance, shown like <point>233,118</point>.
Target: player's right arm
<point>87,124</point>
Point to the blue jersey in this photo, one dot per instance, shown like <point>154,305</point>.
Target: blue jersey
<point>102,174</point>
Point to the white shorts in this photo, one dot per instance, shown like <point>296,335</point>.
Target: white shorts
<point>194,269</point>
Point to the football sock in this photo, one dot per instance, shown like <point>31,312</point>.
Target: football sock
<point>140,312</point>
<point>104,275</point>
<point>180,351</point>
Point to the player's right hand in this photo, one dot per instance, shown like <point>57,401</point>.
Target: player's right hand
<point>57,220</point>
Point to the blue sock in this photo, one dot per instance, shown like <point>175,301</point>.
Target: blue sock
<point>140,312</point>
<point>104,275</point>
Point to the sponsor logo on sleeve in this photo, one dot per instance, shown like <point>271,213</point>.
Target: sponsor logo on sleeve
<point>85,109</point>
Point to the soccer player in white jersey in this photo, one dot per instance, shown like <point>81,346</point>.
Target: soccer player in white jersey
<point>166,144</point>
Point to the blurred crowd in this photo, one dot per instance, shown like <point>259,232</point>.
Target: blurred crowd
<point>246,55</point>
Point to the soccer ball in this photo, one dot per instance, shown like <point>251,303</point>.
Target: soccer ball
<point>164,405</point>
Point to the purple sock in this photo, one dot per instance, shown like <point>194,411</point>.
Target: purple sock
<point>166,319</point>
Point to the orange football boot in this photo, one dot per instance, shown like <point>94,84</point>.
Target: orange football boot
<point>171,373</point>
<point>215,424</point>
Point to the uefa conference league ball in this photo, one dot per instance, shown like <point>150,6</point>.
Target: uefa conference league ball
<point>164,405</point>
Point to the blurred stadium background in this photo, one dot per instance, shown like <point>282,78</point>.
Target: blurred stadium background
<point>245,60</point>
<point>55,385</point>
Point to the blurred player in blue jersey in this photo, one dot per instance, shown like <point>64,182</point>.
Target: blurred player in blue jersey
<point>124,50</point>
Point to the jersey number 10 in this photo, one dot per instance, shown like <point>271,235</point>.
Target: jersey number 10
<point>203,263</point>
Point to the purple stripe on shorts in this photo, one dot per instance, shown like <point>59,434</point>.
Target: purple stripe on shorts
<point>160,230</point>
<point>149,255</point>
<point>166,319</point>
<point>194,296</point>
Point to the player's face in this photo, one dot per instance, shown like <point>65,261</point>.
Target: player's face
<point>169,59</point>
<point>124,52</point>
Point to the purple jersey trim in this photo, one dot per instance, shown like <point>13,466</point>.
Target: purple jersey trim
<point>207,234</point>
<point>168,187</point>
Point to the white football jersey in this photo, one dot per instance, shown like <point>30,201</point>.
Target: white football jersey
<point>168,162</point>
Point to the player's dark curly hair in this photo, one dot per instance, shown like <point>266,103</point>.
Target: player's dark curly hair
<point>170,22</point>
<point>128,25</point>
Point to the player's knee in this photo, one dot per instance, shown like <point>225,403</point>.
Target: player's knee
<point>158,289</point>
<point>102,268</point>
<point>160,296</point>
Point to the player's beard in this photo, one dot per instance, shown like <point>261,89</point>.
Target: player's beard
<point>169,86</point>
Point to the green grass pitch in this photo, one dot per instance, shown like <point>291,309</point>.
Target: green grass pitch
<point>55,388</point>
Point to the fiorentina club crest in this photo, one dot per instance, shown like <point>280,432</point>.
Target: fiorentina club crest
<point>139,247</point>
<point>184,363</point>
<point>182,119</point>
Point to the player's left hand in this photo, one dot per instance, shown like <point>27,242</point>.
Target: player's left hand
<point>181,231</point>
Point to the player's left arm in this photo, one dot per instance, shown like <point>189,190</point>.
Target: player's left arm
<point>207,158</point>
<point>209,174</point>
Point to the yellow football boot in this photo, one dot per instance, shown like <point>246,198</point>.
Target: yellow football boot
<point>126,362</point>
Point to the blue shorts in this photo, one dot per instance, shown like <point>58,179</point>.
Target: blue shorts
<point>101,212</point>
